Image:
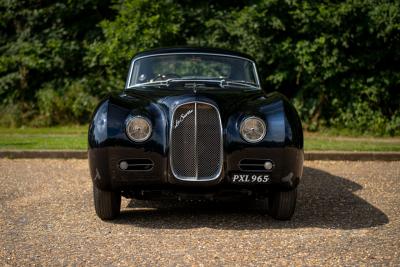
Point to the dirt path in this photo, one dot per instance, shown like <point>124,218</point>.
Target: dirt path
<point>348,213</point>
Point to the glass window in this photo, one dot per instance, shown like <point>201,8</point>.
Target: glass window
<point>192,66</point>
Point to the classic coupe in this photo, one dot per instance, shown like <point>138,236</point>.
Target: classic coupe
<point>195,123</point>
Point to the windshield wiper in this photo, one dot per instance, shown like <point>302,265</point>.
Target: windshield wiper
<point>224,83</point>
<point>153,83</point>
<point>166,82</point>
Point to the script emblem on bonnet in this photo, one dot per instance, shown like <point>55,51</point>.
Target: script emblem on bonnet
<point>182,118</point>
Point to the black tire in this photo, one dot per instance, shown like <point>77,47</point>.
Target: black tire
<point>106,203</point>
<point>281,204</point>
<point>262,205</point>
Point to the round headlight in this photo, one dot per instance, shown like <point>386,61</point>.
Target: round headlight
<point>138,129</point>
<point>253,129</point>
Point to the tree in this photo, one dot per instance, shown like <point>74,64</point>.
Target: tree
<point>42,46</point>
<point>337,60</point>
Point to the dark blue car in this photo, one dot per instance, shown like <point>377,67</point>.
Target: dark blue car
<point>195,123</point>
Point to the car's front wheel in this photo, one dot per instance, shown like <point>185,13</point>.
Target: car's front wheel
<point>281,204</point>
<point>106,203</point>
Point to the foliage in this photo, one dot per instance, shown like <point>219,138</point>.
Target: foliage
<point>139,25</point>
<point>42,46</point>
<point>337,60</point>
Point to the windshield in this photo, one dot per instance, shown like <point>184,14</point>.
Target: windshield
<point>192,66</point>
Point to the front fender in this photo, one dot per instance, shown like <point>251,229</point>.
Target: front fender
<point>97,154</point>
<point>283,143</point>
<point>108,142</point>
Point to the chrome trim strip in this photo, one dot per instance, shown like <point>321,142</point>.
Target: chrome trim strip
<point>127,86</point>
<point>195,179</point>
<point>128,80</point>
<point>255,71</point>
<point>143,164</point>
<point>165,82</point>
<point>240,164</point>
<point>195,141</point>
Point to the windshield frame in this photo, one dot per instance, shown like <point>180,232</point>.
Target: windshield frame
<point>132,65</point>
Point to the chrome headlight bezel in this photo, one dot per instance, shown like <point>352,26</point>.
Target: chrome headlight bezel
<point>129,123</point>
<point>243,125</point>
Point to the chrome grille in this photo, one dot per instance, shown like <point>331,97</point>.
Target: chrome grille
<point>196,142</point>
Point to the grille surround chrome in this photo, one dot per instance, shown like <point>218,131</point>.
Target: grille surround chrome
<point>220,134</point>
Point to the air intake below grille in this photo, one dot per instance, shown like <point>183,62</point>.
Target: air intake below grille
<point>196,142</point>
<point>255,165</point>
<point>136,165</point>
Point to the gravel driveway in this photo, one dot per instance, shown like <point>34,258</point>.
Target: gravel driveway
<point>348,213</point>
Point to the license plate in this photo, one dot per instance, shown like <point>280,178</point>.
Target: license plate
<point>240,178</point>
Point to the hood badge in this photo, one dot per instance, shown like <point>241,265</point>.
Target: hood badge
<point>182,118</point>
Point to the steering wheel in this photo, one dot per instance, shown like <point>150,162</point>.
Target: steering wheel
<point>161,77</point>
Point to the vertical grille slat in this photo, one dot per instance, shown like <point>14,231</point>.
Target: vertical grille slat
<point>196,142</point>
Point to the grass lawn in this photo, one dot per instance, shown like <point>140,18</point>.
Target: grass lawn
<point>316,141</point>
<point>75,137</point>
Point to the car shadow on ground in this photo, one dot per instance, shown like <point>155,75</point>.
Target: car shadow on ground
<point>324,201</point>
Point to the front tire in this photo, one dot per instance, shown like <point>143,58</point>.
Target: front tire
<point>106,203</point>
<point>281,204</point>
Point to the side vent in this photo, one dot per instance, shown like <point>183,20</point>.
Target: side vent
<point>255,165</point>
<point>136,165</point>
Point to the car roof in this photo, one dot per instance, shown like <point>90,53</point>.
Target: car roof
<point>189,49</point>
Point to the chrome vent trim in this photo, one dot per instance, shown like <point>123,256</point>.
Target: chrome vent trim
<point>254,165</point>
<point>196,142</point>
<point>137,164</point>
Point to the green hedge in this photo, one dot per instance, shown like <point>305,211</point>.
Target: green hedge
<point>339,61</point>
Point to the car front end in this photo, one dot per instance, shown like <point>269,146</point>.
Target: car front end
<point>195,138</point>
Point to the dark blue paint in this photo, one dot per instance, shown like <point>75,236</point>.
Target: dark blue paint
<point>283,142</point>
<point>108,143</point>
